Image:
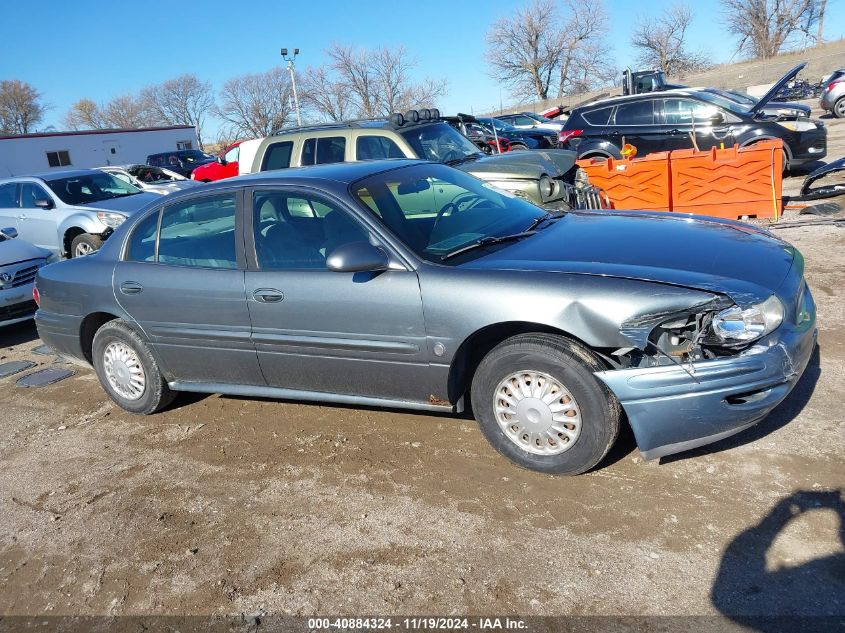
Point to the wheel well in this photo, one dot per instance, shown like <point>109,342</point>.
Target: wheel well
<point>478,345</point>
<point>71,235</point>
<point>88,329</point>
<point>787,152</point>
<point>595,155</point>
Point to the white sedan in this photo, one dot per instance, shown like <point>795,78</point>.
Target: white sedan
<point>152,179</point>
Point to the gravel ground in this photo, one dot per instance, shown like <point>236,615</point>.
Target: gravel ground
<point>224,505</point>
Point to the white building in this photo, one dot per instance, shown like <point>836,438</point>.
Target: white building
<point>35,153</point>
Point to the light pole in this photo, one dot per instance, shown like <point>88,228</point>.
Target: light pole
<point>289,60</point>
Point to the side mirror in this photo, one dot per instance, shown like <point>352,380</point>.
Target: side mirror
<point>9,232</point>
<point>356,257</point>
<point>221,160</point>
<point>718,118</point>
<point>44,203</point>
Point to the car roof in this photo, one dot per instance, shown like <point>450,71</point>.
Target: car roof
<point>336,172</point>
<point>52,175</point>
<point>678,92</point>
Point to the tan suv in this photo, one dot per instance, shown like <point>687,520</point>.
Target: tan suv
<point>548,178</point>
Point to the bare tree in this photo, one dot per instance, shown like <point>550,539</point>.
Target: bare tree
<point>21,108</point>
<point>661,42</point>
<point>524,50</point>
<point>323,95</point>
<point>184,100</point>
<point>367,83</point>
<point>258,104</point>
<point>582,63</point>
<point>127,111</point>
<point>540,50</point>
<point>764,27</point>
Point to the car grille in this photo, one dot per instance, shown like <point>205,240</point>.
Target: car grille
<point>553,140</point>
<point>18,310</point>
<point>24,276</point>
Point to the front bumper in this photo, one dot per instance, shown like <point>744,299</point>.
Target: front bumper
<point>671,411</point>
<point>16,305</point>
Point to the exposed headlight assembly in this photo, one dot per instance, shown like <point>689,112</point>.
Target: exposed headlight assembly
<point>111,220</point>
<point>547,187</point>
<point>735,325</point>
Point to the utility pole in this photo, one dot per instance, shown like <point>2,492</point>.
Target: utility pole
<point>289,60</point>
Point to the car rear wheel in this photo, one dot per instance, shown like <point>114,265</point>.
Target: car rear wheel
<point>85,244</point>
<point>518,147</point>
<point>839,108</point>
<point>127,369</point>
<point>538,403</point>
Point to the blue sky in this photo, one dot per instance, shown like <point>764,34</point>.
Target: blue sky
<point>100,49</point>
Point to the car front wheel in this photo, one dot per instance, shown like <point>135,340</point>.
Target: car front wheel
<point>85,244</point>
<point>839,108</point>
<point>127,369</point>
<point>538,403</point>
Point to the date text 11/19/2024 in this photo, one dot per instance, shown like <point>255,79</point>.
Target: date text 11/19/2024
<point>416,624</point>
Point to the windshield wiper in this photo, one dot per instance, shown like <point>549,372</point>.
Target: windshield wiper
<point>550,215</point>
<point>486,241</point>
<point>463,159</point>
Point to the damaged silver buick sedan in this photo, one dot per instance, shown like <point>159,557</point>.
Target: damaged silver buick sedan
<point>411,284</point>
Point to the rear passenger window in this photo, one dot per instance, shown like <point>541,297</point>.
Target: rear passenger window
<point>322,151</point>
<point>142,244</point>
<point>636,113</point>
<point>598,117</point>
<point>199,233</point>
<point>7,196</point>
<point>277,156</point>
<point>376,147</point>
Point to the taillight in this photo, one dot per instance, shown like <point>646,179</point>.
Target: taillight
<point>36,296</point>
<point>565,135</point>
<point>831,85</point>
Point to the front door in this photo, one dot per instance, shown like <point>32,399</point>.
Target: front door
<point>317,330</point>
<point>684,118</point>
<point>9,211</point>
<point>36,224</point>
<point>186,290</point>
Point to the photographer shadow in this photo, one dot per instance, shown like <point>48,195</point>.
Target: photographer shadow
<point>806,597</point>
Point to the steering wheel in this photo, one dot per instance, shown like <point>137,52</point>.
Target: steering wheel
<point>467,198</point>
<point>451,155</point>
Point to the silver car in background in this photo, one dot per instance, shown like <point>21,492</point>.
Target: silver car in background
<point>833,94</point>
<point>19,263</point>
<point>70,213</point>
<point>150,179</point>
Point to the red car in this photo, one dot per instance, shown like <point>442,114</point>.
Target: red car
<point>226,165</point>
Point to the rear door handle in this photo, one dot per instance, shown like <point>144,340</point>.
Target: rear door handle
<point>131,287</point>
<point>268,295</point>
<point>21,217</point>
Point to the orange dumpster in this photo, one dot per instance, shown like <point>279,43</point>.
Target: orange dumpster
<point>633,183</point>
<point>729,183</point>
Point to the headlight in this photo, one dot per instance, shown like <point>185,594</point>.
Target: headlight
<point>546,187</point>
<point>581,180</point>
<point>736,325</point>
<point>111,220</point>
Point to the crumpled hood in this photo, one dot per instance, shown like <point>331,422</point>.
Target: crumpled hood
<point>707,254</point>
<point>17,250</point>
<point>127,204</point>
<point>521,165</point>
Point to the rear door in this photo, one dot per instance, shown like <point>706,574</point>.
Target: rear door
<point>322,331</point>
<point>182,280</point>
<point>37,225</point>
<point>9,211</point>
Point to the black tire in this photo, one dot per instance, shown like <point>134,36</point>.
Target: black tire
<point>85,244</point>
<point>156,394</point>
<point>518,147</point>
<point>571,365</point>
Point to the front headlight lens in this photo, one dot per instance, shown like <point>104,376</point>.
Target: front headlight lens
<point>735,325</point>
<point>582,180</point>
<point>546,187</point>
<point>111,220</point>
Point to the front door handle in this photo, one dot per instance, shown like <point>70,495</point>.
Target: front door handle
<point>674,131</point>
<point>22,217</point>
<point>268,295</point>
<point>131,287</point>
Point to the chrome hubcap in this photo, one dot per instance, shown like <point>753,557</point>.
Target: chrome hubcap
<point>124,371</point>
<point>83,248</point>
<point>537,413</point>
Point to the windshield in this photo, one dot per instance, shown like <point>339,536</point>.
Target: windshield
<point>539,117</point>
<point>436,210</point>
<point>439,142</point>
<point>723,102</point>
<point>733,96</point>
<point>149,175</point>
<point>501,126</point>
<point>195,156</point>
<point>89,188</point>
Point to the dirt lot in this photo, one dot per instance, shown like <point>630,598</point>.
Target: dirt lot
<point>229,505</point>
